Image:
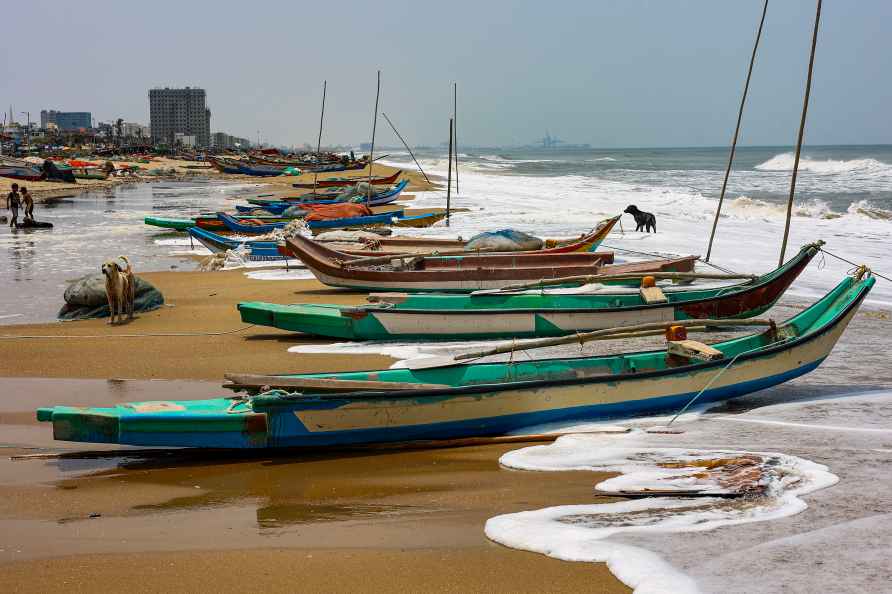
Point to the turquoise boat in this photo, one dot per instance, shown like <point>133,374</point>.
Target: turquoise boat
<point>480,399</point>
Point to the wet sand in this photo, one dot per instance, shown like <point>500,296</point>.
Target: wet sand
<point>195,302</point>
<point>345,521</point>
<point>389,521</point>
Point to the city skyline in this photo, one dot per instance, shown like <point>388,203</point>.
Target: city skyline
<point>615,75</point>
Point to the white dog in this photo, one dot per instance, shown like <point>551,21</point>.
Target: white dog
<point>120,289</point>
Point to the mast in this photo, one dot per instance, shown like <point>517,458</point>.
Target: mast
<point>811,65</point>
<point>455,129</point>
<point>374,128</point>
<point>319,140</point>
<point>449,175</point>
<point>746,87</point>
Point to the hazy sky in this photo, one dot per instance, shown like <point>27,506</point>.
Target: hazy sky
<point>610,73</point>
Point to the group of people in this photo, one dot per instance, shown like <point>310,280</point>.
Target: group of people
<point>17,199</point>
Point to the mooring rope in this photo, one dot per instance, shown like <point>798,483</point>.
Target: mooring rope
<point>872,271</point>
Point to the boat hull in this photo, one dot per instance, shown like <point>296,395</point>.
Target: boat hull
<point>522,315</point>
<point>556,390</point>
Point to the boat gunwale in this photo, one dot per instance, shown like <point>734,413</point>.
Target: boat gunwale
<point>730,291</point>
<point>767,350</point>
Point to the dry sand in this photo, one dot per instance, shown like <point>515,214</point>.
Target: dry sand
<point>398,521</point>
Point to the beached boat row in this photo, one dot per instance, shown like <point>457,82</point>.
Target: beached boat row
<point>566,292</point>
<point>456,399</point>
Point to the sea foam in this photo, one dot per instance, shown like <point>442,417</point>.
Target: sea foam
<point>588,532</point>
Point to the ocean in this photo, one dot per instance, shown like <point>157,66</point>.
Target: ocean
<point>843,196</point>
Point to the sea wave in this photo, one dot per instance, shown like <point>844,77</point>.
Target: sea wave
<point>746,207</point>
<point>866,209</point>
<point>784,162</point>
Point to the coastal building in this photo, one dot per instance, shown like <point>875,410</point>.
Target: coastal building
<point>134,130</point>
<point>66,120</point>
<point>179,111</point>
<point>222,140</point>
<point>185,140</point>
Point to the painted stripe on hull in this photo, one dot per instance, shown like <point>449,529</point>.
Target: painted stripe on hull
<point>507,323</point>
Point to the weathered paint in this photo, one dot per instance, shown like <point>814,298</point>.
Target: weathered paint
<point>485,399</point>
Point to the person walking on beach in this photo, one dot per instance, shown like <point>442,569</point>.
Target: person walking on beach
<point>12,203</point>
<point>28,204</point>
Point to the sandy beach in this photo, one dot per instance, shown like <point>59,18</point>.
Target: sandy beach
<point>83,517</point>
<point>179,169</point>
<point>401,521</point>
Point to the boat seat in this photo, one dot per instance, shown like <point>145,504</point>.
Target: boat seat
<point>692,349</point>
<point>653,295</point>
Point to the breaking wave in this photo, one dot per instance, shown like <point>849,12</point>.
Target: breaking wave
<point>784,162</point>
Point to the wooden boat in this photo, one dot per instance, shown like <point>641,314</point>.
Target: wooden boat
<point>397,246</point>
<point>419,221</point>
<point>278,207</point>
<point>242,226</point>
<point>256,250</point>
<point>89,173</point>
<point>587,242</point>
<point>224,166</point>
<point>21,170</point>
<point>335,182</point>
<point>462,273</point>
<point>465,400</point>
<point>398,316</point>
<point>260,170</point>
<point>210,222</point>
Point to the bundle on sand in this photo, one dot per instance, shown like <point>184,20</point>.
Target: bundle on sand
<point>504,240</point>
<point>85,298</point>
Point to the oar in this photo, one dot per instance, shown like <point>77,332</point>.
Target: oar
<point>651,328</point>
<point>601,278</point>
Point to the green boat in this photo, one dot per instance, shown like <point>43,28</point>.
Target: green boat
<point>421,316</point>
<point>456,400</point>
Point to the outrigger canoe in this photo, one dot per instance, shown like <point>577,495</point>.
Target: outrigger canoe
<point>210,222</point>
<point>586,242</point>
<point>335,183</point>
<point>526,314</point>
<point>256,250</point>
<point>480,399</point>
<point>461,273</point>
<point>394,246</point>
<point>277,207</point>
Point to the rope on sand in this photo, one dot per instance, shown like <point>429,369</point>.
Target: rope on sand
<point>146,335</point>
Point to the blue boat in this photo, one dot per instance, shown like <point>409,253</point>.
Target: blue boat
<point>457,400</point>
<point>258,250</point>
<point>235,225</point>
<point>261,170</point>
<point>278,207</point>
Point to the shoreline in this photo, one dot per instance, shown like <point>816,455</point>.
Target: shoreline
<point>44,191</point>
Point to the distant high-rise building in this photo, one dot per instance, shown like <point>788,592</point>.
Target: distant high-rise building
<point>179,111</point>
<point>66,120</point>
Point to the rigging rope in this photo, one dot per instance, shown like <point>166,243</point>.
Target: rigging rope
<point>872,271</point>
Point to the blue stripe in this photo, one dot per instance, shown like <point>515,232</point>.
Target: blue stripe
<point>286,430</point>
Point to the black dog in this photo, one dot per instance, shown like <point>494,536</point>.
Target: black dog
<point>644,220</point>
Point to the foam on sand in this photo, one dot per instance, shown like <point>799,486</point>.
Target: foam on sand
<point>278,274</point>
<point>588,532</point>
<point>403,351</point>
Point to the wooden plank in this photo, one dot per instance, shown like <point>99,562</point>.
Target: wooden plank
<point>694,350</point>
<point>653,295</point>
<point>249,381</point>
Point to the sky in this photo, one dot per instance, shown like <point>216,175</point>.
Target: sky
<point>631,73</point>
